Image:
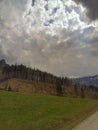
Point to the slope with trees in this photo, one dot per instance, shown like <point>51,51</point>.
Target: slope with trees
<point>63,85</point>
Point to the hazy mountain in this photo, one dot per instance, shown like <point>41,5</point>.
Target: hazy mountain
<point>90,80</point>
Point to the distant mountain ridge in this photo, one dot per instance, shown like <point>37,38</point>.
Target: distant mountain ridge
<point>89,80</point>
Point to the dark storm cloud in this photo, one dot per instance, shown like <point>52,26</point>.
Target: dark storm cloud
<point>91,6</point>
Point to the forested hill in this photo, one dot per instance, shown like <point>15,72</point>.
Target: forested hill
<point>42,82</point>
<point>27,73</point>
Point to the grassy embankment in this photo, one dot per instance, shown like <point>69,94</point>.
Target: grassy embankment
<point>41,112</point>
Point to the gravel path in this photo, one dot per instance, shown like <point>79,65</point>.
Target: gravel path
<point>90,123</point>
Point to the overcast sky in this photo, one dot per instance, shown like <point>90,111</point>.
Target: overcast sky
<point>58,36</point>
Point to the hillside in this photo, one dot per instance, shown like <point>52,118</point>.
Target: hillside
<point>29,86</point>
<point>26,86</point>
<point>42,112</point>
<point>21,78</point>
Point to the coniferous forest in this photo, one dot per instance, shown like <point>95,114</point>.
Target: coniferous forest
<point>63,85</point>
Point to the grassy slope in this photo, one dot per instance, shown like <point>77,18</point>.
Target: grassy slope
<point>40,112</point>
<point>27,86</point>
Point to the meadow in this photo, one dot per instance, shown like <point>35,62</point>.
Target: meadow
<point>20,111</point>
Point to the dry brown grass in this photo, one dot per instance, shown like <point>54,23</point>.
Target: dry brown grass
<point>26,86</point>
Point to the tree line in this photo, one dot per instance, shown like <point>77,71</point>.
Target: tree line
<point>23,72</point>
<point>63,84</point>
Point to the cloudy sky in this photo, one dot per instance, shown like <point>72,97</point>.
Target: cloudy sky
<point>58,36</point>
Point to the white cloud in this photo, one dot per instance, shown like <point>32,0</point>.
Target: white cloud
<point>50,15</point>
<point>68,46</point>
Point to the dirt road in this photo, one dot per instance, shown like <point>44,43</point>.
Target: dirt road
<point>90,123</point>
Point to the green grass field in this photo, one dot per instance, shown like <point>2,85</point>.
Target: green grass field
<point>41,112</point>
